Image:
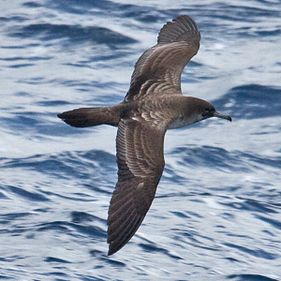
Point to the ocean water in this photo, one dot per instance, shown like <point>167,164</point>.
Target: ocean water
<point>217,211</point>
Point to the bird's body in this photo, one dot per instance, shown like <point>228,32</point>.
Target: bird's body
<point>153,104</point>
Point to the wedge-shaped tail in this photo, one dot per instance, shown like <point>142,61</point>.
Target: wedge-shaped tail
<point>91,116</point>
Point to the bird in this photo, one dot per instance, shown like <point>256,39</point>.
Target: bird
<point>153,104</point>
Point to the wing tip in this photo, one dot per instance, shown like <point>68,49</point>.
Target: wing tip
<point>175,30</point>
<point>115,246</point>
<point>111,250</point>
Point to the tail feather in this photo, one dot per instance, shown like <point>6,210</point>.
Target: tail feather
<point>92,116</point>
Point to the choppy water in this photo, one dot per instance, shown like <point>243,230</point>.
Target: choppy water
<point>217,213</point>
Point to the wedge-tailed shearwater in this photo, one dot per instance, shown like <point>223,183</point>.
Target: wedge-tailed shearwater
<point>153,104</point>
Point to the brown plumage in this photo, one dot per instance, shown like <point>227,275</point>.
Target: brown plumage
<point>153,104</point>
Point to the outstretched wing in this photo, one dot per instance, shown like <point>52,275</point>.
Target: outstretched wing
<point>140,165</point>
<point>158,70</point>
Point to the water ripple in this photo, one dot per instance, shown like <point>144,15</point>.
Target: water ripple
<point>251,101</point>
<point>75,34</point>
<point>250,277</point>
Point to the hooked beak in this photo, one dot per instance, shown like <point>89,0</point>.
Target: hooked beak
<point>219,115</point>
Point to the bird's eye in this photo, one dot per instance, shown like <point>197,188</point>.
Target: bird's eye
<point>207,111</point>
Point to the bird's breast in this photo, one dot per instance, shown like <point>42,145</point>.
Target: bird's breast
<point>182,121</point>
<point>177,123</point>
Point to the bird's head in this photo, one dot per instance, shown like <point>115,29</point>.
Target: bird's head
<point>201,109</point>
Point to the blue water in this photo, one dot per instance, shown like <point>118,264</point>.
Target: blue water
<point>217,212</point>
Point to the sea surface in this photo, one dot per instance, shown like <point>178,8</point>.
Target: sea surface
<point>217,211</point>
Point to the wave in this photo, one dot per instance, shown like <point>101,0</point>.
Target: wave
<point>75,34</point>
<point>251,101</point>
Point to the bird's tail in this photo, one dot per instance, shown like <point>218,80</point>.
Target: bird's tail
<point>91,116</point>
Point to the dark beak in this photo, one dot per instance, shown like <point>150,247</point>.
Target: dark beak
<point>219,115</point>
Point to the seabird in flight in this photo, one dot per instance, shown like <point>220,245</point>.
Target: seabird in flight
<point>153,104</point>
